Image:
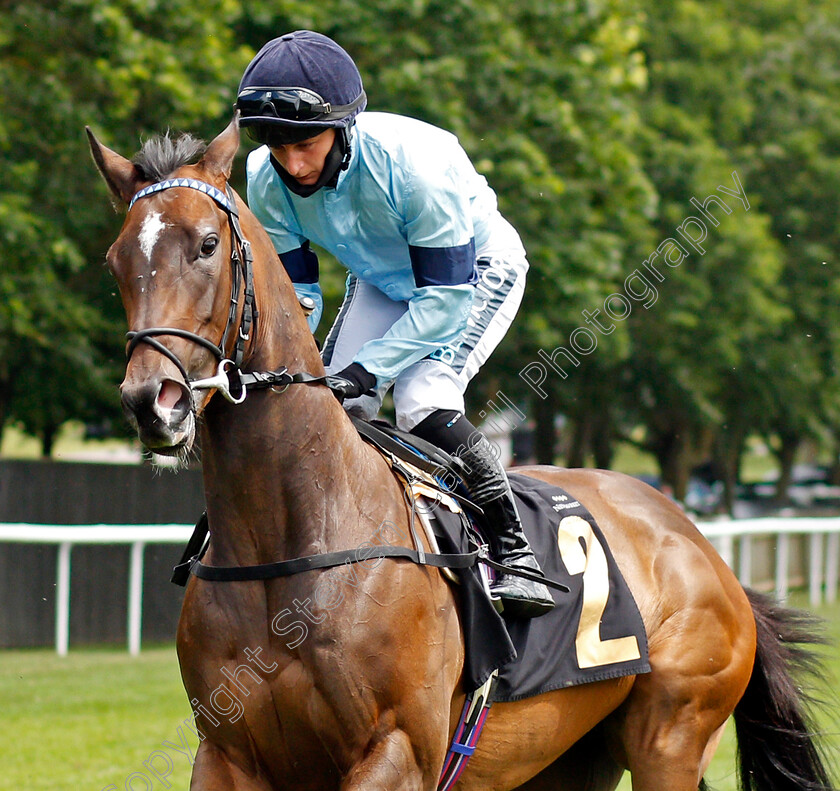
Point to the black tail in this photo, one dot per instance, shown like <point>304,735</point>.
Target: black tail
<point>777,744</point>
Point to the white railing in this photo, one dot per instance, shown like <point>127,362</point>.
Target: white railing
<point>823,550</point>
<point>66,536</point>
<point>823,554</point>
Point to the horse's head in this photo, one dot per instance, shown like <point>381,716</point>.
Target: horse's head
<point>182,294</point>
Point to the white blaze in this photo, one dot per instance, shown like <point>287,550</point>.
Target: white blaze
<point>150,233</point>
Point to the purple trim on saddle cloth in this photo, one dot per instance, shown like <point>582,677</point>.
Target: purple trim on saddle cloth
<point>193,184</point>
<point>467,733</point>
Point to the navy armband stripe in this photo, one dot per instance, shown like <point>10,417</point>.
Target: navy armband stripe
<point>443,266</point>
<point>301,264</point>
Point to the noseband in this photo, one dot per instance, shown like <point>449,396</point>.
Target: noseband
<point>241,261</point>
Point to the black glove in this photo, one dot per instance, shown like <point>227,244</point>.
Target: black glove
<point>352,382</point>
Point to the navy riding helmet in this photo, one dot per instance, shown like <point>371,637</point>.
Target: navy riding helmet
<point>297,86</point>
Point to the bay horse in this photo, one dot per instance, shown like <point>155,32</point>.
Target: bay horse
<point>367,698</point>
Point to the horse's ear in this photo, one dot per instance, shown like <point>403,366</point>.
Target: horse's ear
<point>218,158</point>
<point>121,175</point>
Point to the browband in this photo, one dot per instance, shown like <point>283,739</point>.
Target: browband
<point>193,184</point>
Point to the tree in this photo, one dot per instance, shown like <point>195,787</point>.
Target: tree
<point>792,149</point>
<point>721,303</point>
<point>595,122</point>
<point>129,69</point>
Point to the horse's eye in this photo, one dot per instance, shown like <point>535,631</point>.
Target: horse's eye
<point>209,245</point>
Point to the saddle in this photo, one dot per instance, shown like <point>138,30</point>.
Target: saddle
<point>412,449</point>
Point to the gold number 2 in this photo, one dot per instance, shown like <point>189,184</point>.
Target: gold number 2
<point>591,650</point>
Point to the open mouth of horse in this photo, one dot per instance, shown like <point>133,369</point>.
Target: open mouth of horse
<point>162,413</point>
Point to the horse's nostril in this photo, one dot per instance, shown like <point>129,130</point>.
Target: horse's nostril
<point>167,403</point>
<point>169,394</point>
<point>173,400</point>
<point>161,412</point>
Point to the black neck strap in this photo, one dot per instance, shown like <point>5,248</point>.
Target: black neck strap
<point>191,563</point>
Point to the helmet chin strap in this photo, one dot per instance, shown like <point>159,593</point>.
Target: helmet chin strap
<point>337,159</point>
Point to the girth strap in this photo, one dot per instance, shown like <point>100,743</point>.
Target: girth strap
<point>467,732</point>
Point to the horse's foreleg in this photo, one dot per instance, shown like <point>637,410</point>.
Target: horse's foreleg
<point>391,765</point>
<point>214,771</point>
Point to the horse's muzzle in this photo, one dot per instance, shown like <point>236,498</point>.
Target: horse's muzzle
<point>161,412</point>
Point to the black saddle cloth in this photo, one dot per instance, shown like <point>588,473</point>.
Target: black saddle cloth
<point>594,632</point>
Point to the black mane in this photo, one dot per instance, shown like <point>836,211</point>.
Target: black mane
<point>162,155</point>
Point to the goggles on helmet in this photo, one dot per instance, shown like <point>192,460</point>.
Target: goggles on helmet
<point>299,105</point>
<point>274,135</point>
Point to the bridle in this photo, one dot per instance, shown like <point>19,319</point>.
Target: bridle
<point>229,380</point>
<point>241,268</point>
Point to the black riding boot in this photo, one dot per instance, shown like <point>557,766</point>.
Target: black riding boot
<point>488,485</point>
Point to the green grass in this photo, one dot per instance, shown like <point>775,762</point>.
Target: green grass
<point>91,719</point>
<point>70,445</point>
<point>758,462</point>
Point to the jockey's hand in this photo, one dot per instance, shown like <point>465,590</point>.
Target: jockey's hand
<point>352,382</point>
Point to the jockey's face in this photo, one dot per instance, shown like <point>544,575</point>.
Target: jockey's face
<point>304,161</point>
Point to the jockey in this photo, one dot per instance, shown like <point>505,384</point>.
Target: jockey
<point>436,274</point>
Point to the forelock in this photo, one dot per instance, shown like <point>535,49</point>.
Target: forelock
<point>162,155</point>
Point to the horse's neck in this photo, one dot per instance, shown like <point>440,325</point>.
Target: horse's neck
<point>274,469</point>
<point>276,466</point>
